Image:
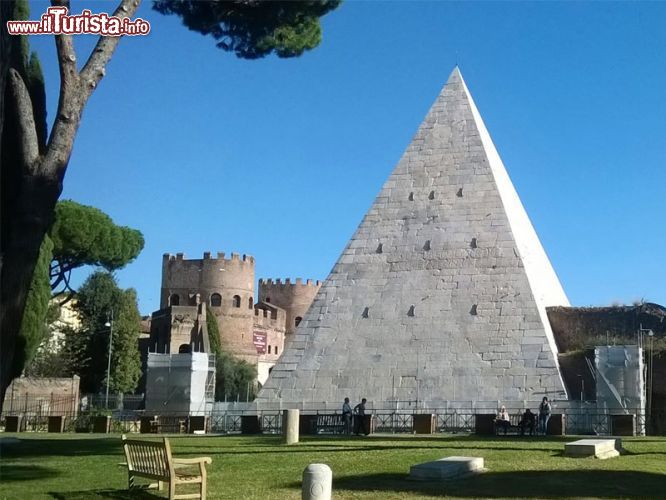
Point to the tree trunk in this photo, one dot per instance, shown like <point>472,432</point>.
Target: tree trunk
<point>24,224</point>
<point>6,9</point>
<point>32,179</point>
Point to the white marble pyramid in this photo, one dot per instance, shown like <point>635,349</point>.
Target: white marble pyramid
<point>441,293</point>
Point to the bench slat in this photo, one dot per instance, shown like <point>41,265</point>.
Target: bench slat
<point>153,460</point>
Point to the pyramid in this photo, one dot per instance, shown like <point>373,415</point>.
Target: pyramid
<point>441,294</point>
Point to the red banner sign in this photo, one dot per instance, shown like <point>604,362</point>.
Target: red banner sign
<point>259,340</point>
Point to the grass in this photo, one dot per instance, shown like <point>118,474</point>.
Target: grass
<point>75,466</point>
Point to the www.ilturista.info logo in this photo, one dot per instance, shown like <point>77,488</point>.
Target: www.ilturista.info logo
<point>55,21</point>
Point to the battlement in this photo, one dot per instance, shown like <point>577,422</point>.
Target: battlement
<point>269,315</point>
<point>207,256</point>
<point>287,283</point>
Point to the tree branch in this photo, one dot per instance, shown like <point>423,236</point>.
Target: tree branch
<point>95,68</point>
<point>26,119</point>
<point>66,56</point>
<point>76,88</point>
<point>70,106</point>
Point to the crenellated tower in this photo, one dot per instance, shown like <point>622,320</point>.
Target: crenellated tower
<point>225,284</point>
<point>294,298</point>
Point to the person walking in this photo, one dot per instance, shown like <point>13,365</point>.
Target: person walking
<point>544,415</point>
<point>359,418</point>
<point>347,416</point>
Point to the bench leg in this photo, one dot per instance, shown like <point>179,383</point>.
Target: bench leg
<point>202,487</point>
<point>172,489</point>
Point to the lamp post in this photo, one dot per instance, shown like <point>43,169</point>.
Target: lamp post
<point>109,324</point>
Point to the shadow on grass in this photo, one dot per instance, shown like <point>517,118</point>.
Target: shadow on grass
<point>525,484</point>
<point>26,472</point>
<point>105,494</point>
<point>61,447</point>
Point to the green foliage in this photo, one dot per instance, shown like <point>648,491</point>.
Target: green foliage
<point>34,79</point>
<point>49,362</point>
<point>125,357</point>
<point>234,379</point>
<point>96,299</point>
<point>28,66</point>
<point>33,326</point>
<point>84,235</point>
<point>213,332</point>
<point>254,29</point>
<point>233,376</point>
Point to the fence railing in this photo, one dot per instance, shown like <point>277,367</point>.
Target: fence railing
<point>576,421</point>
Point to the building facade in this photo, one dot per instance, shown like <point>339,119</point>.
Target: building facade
<point>255,331</point>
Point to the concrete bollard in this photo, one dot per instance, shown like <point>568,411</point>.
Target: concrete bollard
<point>290,421</point>
<point>317,482</point>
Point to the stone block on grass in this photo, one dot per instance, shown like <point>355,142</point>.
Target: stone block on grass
<point>446,468</point>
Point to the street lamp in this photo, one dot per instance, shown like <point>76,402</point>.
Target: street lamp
<point>109,324</point>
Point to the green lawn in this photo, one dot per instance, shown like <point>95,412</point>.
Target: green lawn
<point>76,466</point>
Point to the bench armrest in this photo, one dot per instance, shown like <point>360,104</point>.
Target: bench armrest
<point>192,461</point>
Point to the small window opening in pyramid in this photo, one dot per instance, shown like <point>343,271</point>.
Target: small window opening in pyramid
<point>431,196</point>
<point>472,311</point>
<point>411,311</point>
<point>426,247</point>
<point>411,197</point>
<point>380,248</point>
<point>473,243</point>
<point>459,194</point>
<point>366,312</point>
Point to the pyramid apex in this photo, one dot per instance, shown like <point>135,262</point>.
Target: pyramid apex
<point>455,76</point>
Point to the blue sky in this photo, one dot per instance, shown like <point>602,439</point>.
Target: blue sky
<point>280,159</point>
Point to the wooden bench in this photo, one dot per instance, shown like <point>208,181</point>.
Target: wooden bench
<point>153,460</point>
<point>514,427</point>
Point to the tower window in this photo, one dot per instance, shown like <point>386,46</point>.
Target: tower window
<point>268,299</point>
<point>276,350</point>
<point>269,349</point>
<point>236,300</point>
<point>250,303</point>
<point>174,300</point>
<point>216,300</point>
<point>297,320</point>
<point>431,196</point>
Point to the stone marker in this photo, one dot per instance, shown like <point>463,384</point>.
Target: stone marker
<point>317,482</point>
<point>290,421</point>
<point>598,448</point>
<point>446,468</point>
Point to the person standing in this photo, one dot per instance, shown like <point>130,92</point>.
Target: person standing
<point>347,416</point>
<point>544,415</point>
<point>359,418</point>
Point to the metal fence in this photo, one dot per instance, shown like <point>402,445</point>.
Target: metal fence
<point>234,418</point>
<point>588,422</point>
